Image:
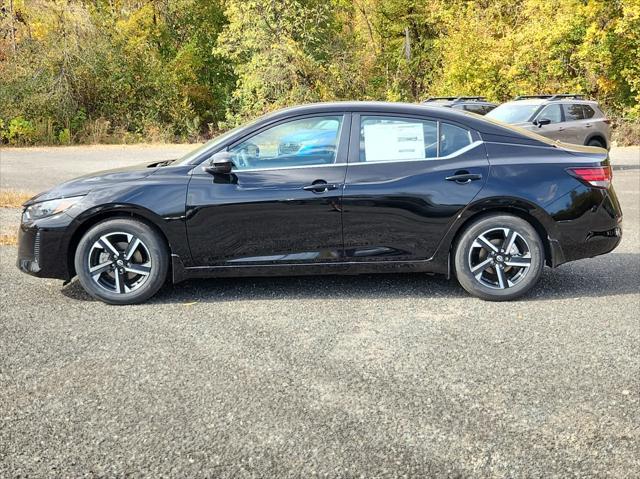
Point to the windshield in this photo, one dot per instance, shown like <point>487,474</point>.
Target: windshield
<point>513,113</point>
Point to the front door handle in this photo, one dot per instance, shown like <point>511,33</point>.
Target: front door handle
<point>464,177</point>
<point>320,186</point>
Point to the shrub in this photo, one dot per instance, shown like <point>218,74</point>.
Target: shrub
<point>64,137</point>
<point>627,132</point>
<point>21,131</point>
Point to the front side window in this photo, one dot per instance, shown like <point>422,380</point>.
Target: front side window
<point>301,142</point>
<point>513,113</point>
<point>552,113</point>
<point>401,139</point>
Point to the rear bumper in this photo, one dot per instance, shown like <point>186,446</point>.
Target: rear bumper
<point>42,248</point>
<point>596,230</point>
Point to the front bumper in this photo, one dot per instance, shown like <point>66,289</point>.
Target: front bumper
<point>43,248</point>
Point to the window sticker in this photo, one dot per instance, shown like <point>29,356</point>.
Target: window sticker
<point>394,141</point>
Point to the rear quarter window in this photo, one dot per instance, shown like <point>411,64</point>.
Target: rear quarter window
<point>573,112</point>
<point>587,111</point>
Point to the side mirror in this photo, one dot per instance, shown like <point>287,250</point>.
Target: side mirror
<point>542,121</point>
<point>220,164</point>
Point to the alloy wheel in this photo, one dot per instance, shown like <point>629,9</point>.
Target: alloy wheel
<point>119,262</point>
<point>499,258</point>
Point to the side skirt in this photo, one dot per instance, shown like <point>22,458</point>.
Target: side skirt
<point>182,273</point>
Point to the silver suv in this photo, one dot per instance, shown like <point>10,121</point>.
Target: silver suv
<point>568,118</point>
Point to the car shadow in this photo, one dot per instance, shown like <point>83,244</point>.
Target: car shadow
<point>613,274</point>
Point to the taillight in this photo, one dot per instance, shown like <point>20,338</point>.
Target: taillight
<point>607,121</point>
<point>600,177</point>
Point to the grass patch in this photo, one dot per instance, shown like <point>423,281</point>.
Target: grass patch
<point>8,239</point>
<point>13,198</point>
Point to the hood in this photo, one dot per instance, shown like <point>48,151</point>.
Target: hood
<point>84,184</point>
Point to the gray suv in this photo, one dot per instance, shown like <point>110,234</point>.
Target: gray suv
<point>568,118</point>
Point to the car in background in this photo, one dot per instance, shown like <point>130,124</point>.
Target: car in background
<point>474,104</point>
<point>567,117</point>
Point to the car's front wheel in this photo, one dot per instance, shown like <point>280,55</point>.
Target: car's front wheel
<point>499,257</point>
<point>121,261</point>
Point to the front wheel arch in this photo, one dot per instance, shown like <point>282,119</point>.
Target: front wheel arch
<point>91,221</point>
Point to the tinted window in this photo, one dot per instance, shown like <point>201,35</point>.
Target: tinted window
<point>573,112</point>
<point>307,141</point>
<point>551,112</point>
<point>588,112</point>
<point>392,138</point>
<point>453,138</point>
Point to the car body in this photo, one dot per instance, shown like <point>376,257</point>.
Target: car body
<point>474,104</point>
<point>567,117</point>
<point>402,190</point>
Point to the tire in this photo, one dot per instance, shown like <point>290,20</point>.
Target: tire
<point>121,261</point>
<point>486,272</point>
<point>596,142</point>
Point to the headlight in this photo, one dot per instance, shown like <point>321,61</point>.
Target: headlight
<point>48,208</point>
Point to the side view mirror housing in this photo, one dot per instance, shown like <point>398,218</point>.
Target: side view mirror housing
<point>220,163</point>
<point>542,121</point>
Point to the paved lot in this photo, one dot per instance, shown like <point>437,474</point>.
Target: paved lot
<point>372,376</point>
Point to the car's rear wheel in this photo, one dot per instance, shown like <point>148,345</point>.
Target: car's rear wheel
<point>596,142</point>
<point>121,261</point>
<point>499,257</point>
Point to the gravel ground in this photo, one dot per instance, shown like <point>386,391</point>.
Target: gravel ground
<point>370,376</point>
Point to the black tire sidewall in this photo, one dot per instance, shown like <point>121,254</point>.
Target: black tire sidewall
<point>595,142</point>
<point>152,240</point>
<point>468,281</point>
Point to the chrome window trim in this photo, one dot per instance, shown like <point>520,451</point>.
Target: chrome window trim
<point>461,151</point>
<point>275,168</point>
<point>455,154</point>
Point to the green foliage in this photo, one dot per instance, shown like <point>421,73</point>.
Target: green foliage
<point>64,136</point>
<point>129,71</point>
<point>21,131</point>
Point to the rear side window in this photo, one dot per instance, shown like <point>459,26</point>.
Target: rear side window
<point>400,139</point>
<point>573,112</point>
<point>453,138</point>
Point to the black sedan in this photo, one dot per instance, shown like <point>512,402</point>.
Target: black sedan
<point>334,188</point>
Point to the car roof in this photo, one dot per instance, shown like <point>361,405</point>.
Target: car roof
<point>475,122</point>
<point>547,101</point>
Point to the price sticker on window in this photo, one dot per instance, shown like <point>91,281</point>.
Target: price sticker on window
<point>394,141</point>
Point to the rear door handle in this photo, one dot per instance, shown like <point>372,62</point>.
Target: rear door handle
<point>320,187</point>
<point>464,177</point>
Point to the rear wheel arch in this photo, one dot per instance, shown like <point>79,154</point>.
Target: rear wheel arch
<point>101,216</point>
<point>597,137</point>
<point>515,211</point>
